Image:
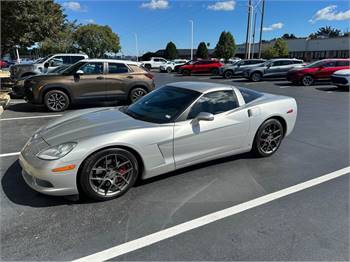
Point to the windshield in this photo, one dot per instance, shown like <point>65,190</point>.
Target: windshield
<point>315,64</point>
<point>163,105</point>
<point>41,60</point>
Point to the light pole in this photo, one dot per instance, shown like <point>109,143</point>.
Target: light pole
<point>137,48</point>
<point>261,27</point>
<point>191,21</point>
<point>248,29</point>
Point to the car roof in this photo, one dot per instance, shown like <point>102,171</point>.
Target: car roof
<point>65,54</point>
<point>288,59</point>
<point>129,62</point>
<point>201,87</point>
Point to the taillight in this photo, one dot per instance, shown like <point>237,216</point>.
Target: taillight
<point>149,75</point>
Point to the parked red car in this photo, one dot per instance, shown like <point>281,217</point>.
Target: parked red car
<point>319,70</point>
<point>3,64</point>
<point>202,66</point>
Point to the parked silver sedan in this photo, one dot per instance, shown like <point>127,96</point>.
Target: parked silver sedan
<point>101,152</point>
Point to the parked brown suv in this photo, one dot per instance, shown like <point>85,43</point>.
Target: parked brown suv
<point>89,80</point>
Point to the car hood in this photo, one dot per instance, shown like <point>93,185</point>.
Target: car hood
<point>343,72</point>
<point>89,122</point>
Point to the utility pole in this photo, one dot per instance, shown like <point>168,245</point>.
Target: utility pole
<point>261,27</point>
<point>254,25</point>
<point>191,21</point>
<point>137,48</point>
<point>250,34</point>
<point>248,29</point>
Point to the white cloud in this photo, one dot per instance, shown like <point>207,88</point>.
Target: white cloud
<point>223,6</point>
<point>89,21</point>
<point>74,6</point>
<point>156,4</point>
<point>273,27</point>
<point>329,13</point>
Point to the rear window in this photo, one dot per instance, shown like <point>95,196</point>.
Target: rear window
<point>117,68</point>
<point>249,95</point>
<point>342,63</point>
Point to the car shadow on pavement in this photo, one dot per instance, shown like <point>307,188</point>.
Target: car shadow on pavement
<point>332,89</point>
<point>20,193</point>
<point>183,171</point>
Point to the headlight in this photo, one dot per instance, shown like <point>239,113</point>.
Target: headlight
<point>56,152</point>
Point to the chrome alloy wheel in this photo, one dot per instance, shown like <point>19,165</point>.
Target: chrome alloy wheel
<point>307,80</point>
<point>111,174</point>
<point>270,138</point>
<point>56,102</point>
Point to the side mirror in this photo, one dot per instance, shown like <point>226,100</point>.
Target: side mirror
<point>79,72</point>
<point>204,116</point>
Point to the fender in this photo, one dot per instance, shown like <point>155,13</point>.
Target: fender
<point>48,87</point>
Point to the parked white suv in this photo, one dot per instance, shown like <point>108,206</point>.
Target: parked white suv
<point>44,65</point>
<point>154,62</point>
<point>341,78</point>
<point>170,65</point>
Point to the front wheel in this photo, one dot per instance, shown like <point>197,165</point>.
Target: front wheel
<point>56,100</point>
<point>256,77</point>
<point>228,74</point>
<point>268,138</point>
<point>108,174</point>
<point>148,67</point>
<point>186,72</point>
<point>307,80</point>
<point>136,93</point>
<point>169,70</point>
<point>215,71</point>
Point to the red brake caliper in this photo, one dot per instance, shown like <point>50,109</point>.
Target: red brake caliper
<point>122,170</point>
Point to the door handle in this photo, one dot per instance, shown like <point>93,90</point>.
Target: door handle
<point>129,77</point>
<point>100,78</point>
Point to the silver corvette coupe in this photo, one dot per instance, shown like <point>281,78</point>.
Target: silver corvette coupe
<point>101,152</point>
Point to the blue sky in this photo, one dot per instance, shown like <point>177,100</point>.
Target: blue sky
<point>157,22</point>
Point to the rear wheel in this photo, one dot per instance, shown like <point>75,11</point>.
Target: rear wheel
<point>307,80</point>
<point>169,70</point>
<point>228,74</point>
<point>268,138</point>
<point>136,93</point>
<point>256,77</point>
<point>108,174</point>
<point>56,100</point>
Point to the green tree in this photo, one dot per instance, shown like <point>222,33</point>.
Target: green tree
<point>226,47</point>
<point>289,36</point>
<point>281,48</point>
<point>62,42</point>
<point>96,40</point>
<point>202,51</point>
<point>147,56</point>
<point>170,52</point>
<point>327,31</point>
<point>24,23</point>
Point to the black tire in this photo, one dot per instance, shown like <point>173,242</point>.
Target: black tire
<point>56,100</point>
<point>136,93</point>
<point>228,74</point>
<point>169,70</point>
<point>90,180</point>
<point>215,71</point>
<point>267,140</point>
<point>256,77</point>
<point>148,67</point>
<point>186,72</point>
<point>307,80</point>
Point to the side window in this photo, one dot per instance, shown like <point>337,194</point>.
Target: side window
<point>276,63</point>
<point>117,68</point>
<point>136,68</point>
<point>249,95</point>
<point>329,64</point>
<point>215,103</point>
<point>75,59</point>
<point>156,60</point>
<point>56,61</point>
<point>94,68</point>
<point>286,62</point>
<point>342,63</point>
<point>297,62</point>
<point>63,59</point>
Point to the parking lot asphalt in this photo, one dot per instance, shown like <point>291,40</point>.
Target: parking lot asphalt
<point>309,225</point>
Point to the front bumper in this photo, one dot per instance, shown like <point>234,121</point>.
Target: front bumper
<point>294,77</point>
<point>38,175</point>
<point>340,80</point>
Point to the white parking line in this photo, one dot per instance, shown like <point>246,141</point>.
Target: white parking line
<point>10,154</point>
<point>207,219</point>
<point>28,117</point>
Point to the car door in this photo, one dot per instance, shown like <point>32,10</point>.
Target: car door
<point>197,140</point>
<point>117,79</point>
<point>274,69</point>
<point>325,70</point>
<point>89,82</point>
